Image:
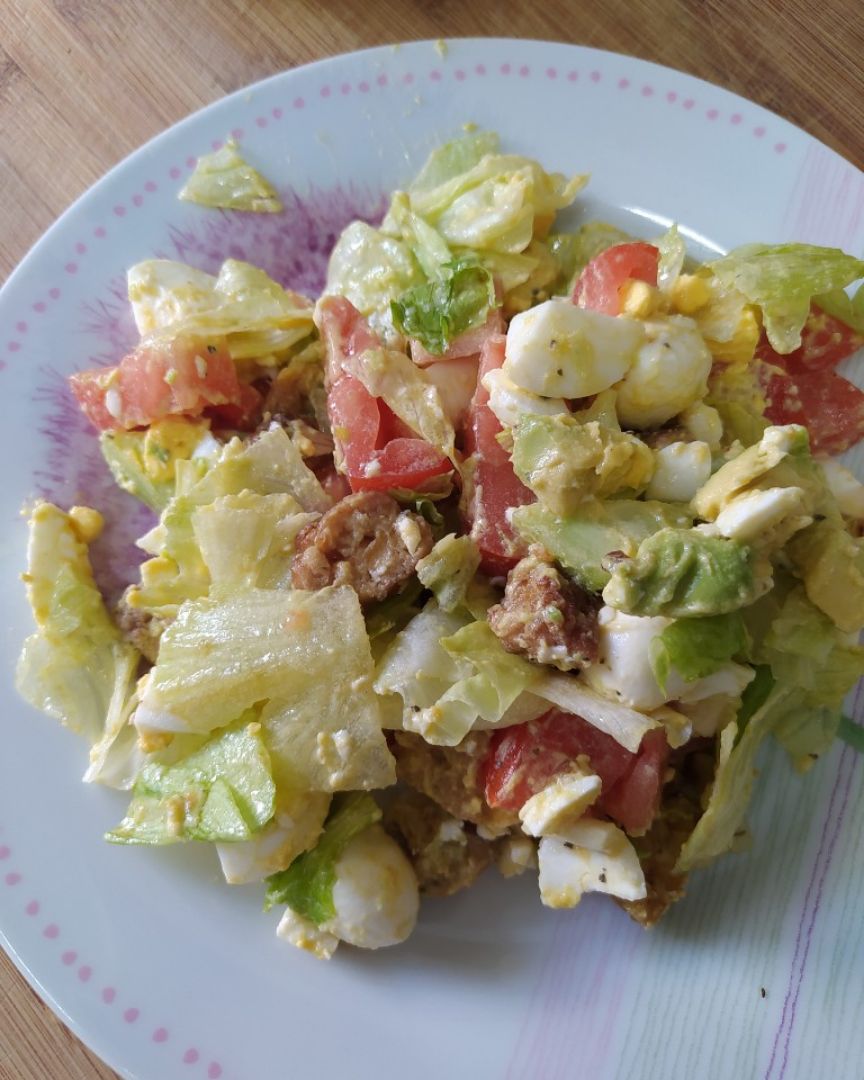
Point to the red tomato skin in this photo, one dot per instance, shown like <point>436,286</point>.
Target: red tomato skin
<point>201,374</point>
<point>829,406</point>
<point>496,487</point>
<point>243,415</point>
<point>597,287</point>
<point>825,342</point>
<point>524,759</point>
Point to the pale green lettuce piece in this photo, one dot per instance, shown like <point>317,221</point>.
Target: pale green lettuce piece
<point>371,268</point>
<point>248,539</point>
<point>573,251</point>
<point>682,573</point>
<point>262,323</point>
<point>454,158</point>
<point>848,309</point>
<point>225,181</point>
<point>305,655</point>
<point>673,252</point>
<point>494,205</point>
<point>270,465</point>
<point>222,791</point>
<point>449,569</point>
<point>144,462</point>
<point>696,648</point>
<point>307,885</point>
<point>427,245</point>
<point>581,541</point>
<point>439,311</point>
<point>76,667</point>
<point>782,279</point>
<point>723,820</point>
<point>566,461</point>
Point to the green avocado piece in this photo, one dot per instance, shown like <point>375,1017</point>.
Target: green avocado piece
<point>682,573</point>
<point>581,541</point>
<point>564,461</point>
<point>830,562</point>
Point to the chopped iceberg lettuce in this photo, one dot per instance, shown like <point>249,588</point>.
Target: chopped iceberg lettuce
<point>225,653</point>
<point>307,885</point>
<point>222,791</point>
<point>76,667</point>
<point>449,569</point>
<point>225,181</point>
<point>830,562</point>
<point>782,279</point>
<point>263,323</point>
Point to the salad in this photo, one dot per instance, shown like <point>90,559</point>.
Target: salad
<point>511,549</point>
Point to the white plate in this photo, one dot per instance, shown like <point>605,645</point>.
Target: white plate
<point>167,973</point>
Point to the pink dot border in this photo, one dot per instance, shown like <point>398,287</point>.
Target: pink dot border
<point>262,118</point>
<point>130,1015</point>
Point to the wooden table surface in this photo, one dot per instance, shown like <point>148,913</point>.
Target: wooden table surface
<point>84,82</point>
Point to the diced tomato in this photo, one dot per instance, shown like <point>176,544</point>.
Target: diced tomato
<point>182,377</point>
<point>377,450</point>
<point>825,341</point>
<point>597,287</point>
<point>370,463</point>
<point>468,344</point>
<point>524,759</point>
<point>829,406</point>
<point>496,487</point>
<point>242,416</point>
<point>334,483</point>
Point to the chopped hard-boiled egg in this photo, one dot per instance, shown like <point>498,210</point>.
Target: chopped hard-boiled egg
<point>702,422</point>
<point>638,299</point>
<point>375,892</point>
<point>516,854</point>
<point>759,514</point>
<point>560,804</point>
<point>304,934</point>
<point>670,373</point>
<point>688,293</point>
<point>560,350</point>
<point>294,829</point>
<point>680,469</point>
<point>595,856</point>
<point>509,402</point>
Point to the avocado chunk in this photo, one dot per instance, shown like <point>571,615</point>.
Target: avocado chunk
<point>683,573</point>
<point>830,562</point>
<point>565,462</point>
<point>581,541</point>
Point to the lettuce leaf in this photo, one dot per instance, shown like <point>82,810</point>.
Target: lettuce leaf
<point>263,323</point>
<point>143,462</point>
<point>225,181</point>
<point>439,311</point>
<point>696,648</point>
<point>76,667</point>
<point>573,251</point>
<point>449,569</point>
<point>222,791</point>
<point>238,648</point>
<point>673,252</point>
<point>848,309</point>
<point>371,269</point>
<point>270,465</point>
<point>852,733</point>
<point>454,158</point>
<point>782,279</point>
<point>722,823</point>
<point>307,885</point>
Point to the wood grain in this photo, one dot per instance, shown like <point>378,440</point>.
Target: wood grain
<point>83,82</point>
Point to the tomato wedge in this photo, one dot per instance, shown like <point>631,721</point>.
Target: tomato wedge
<point>378,452</point>
<point>182,377</point>
<point>598,286</point>
<point>825,342</point>
<point>496,487</point>
<point>524,759</point>
<point>802,387</point>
